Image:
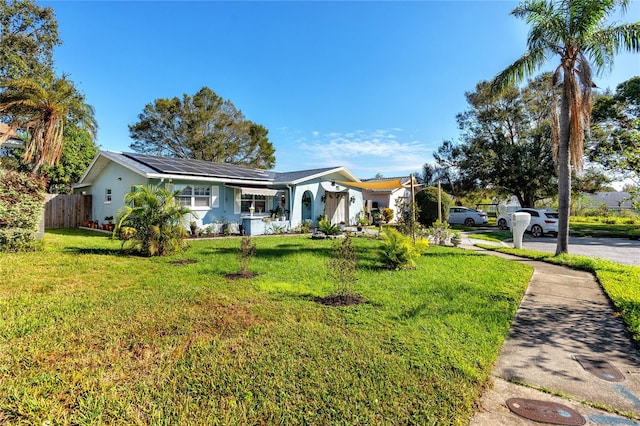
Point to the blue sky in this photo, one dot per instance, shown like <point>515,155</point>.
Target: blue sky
<point>373,86</point>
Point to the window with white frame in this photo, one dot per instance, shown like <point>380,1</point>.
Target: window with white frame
<point>259,203</point>
<point>107,195</point>
<point>198,196</point>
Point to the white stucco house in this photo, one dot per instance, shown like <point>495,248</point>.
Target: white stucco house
<point>225,193</point>
<point>387,193</point>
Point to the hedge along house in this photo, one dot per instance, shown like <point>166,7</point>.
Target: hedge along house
<point>251,200</point>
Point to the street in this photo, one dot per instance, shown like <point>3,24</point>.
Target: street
<point>620,250</point>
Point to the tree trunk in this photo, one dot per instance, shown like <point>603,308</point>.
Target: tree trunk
<point>564,167</point>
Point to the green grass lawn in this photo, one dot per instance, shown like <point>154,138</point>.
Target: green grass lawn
<point>579,227</point>
<point>615,227</point>
<point>89,336</point>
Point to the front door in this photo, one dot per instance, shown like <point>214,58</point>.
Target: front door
<point>336,204</point>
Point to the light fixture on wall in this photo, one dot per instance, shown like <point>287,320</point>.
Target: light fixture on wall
<point>323,198</point>
<point>119,178</point>
<point>352,199</point>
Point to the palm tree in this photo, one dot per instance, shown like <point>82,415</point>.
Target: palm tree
<point>42,109</point>
<point>158,219</point>
<point>577,32</point>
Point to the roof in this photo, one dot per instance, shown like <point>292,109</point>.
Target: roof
<point>302,175</point>
<point>155,167</point>
<point>189,167</point>
<point>612,199</point>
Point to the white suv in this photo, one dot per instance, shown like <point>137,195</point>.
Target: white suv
<point>542,222</point>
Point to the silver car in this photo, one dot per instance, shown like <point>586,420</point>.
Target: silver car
<point>466,216</point>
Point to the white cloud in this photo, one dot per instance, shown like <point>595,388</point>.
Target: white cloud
<point>390,152</point>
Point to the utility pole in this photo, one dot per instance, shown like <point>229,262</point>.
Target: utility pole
<point>413,211</point>
<point>439,205</point>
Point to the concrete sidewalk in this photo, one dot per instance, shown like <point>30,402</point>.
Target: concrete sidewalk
<point>565,326</point>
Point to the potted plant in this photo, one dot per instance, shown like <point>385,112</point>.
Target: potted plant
<point>362,222</point>
<point>109,225</point>
<point>456,240</point>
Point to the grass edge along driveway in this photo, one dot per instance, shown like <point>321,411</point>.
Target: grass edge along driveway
<point>89,336</point>
<point>620,282</point>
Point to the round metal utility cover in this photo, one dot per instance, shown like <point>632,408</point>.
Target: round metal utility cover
<point>601,368</point>
<point>545,412</point>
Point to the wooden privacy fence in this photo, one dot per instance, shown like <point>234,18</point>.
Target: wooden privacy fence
<point>66,211</point>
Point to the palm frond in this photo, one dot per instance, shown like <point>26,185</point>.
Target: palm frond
<point>518,71</point>
<point>586,15</point>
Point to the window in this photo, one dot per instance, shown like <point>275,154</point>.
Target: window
<point>107,196</point>
<point>259,203</point>
<point>198,196</point>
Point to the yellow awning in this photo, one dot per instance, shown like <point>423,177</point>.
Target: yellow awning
<point>375,185</point>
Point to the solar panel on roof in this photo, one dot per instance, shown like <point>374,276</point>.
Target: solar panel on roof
<point>182,166</point>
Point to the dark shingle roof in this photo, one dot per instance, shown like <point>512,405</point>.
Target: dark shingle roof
<point>286,177</point>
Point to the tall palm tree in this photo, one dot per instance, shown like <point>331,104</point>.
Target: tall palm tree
<point>41,109</point>
<point>577,32</point>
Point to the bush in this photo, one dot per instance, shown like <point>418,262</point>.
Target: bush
<point>343,265</point>
<point>158,221</point>
<point>399,252</point>
<point>21,205</point>
<point>327,227</point>
<point>387,214</point>
<point>427,201</point>
<point>247,251</point>
<point>439,233</point>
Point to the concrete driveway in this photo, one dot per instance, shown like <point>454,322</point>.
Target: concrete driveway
<point>620,250</point>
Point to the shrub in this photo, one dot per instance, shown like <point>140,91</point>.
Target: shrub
<point>157,218</point>
<point>276,229</point>
<point>327,227</point>
<point>247,250</point>
<point>399,252</point>
<point>21,205</point>
<point>427,201</point>
<point>303,227</point>
<point>439,233</point>
<point>343,265</point>
<point>387,214</point>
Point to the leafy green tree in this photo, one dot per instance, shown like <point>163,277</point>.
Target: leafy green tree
<point>41,108</point>
<point>28,34</point>
<point>78,152</point>
<point>158,221</point>
<point>590,181</point>
<point>615,130</point>
<point>505,142</point>
<point>447,170</point>
<point>576,31</point>
<point>203,127</point>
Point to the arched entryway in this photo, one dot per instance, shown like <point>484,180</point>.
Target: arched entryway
<point>307,205</point>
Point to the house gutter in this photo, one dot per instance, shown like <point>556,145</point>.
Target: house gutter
<point>290,201</point>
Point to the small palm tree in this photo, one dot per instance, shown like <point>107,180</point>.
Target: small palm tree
<point>577,32</point>
<point>42,109</point>
<point>157,218</point>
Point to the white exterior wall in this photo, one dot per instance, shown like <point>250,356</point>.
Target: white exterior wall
<point>120,180</point>
<point>317,205</point>
<point>388,200</point>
